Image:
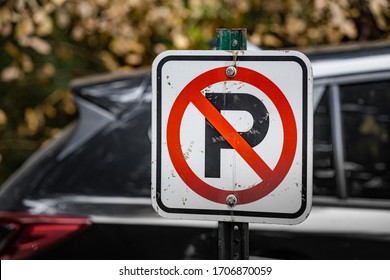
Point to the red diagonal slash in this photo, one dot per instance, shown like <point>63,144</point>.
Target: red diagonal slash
<point>231,135</point>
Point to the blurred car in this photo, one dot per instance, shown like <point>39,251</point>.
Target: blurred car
<point>86,195</point>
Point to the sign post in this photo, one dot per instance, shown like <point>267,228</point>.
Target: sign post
<point>232,138</point>
<point>233,237</point>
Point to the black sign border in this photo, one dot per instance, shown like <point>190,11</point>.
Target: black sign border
<point>214,212</point>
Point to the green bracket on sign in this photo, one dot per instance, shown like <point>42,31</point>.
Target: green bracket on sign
<point>231,39</point>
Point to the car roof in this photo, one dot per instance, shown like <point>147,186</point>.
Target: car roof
<point>349,59</point>
<point>348,66</point>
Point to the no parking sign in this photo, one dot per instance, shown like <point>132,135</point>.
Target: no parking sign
<point>232,146</point>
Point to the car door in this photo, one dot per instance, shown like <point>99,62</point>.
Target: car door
<point>352,165</point>
<point>350,218</point>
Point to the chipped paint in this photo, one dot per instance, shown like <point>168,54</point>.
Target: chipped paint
<point>218,139</point>
<point>188,152</point>
<point>169,81</point>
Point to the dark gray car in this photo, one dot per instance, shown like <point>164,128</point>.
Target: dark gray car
<point>87,194</point>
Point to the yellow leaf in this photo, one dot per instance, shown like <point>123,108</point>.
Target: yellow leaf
<point>78,33</point>
<point>34,120</point>
<point>5,22</point>
<point>6,29</point>
<point>379,9</point>
<point>39,45</point>
<point>24,28</point>
<point>85,9</point>
<point>159,48</point>
<point>44,23</point>
<point>271,41</point>
<point>26,63</point>
<point>295,25</point>
<point>181,41</point>
<point>3,118</point>
<point>68,105</point>
<point>62,18</point>
<point>133,59</point>
<point>47,71</point>
<point>11,73</point>
<point>108,61</point>
<point>50,111</point>
<point>58,2</point>
<point>11,50</point>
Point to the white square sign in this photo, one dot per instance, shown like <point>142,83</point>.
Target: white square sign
<point>232,136</point>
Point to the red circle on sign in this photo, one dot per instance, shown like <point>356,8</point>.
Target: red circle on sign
<point>192,94</point>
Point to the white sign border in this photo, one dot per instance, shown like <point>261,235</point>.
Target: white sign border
<point>229,215</point>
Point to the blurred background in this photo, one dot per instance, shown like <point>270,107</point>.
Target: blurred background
<point>47,43</point>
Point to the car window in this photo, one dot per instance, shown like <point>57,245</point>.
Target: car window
<point>116,162</point>
<point>366,127</point>
<point>323,164</point>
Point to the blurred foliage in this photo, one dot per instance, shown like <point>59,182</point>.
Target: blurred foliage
<point>46,43</point>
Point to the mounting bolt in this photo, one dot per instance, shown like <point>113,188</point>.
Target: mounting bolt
<point>231,71</point>
<point>231,200</point>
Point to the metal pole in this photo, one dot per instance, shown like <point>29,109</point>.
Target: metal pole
<point>233,237</point>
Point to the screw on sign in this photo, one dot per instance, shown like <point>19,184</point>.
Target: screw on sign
<point>207,164</point>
